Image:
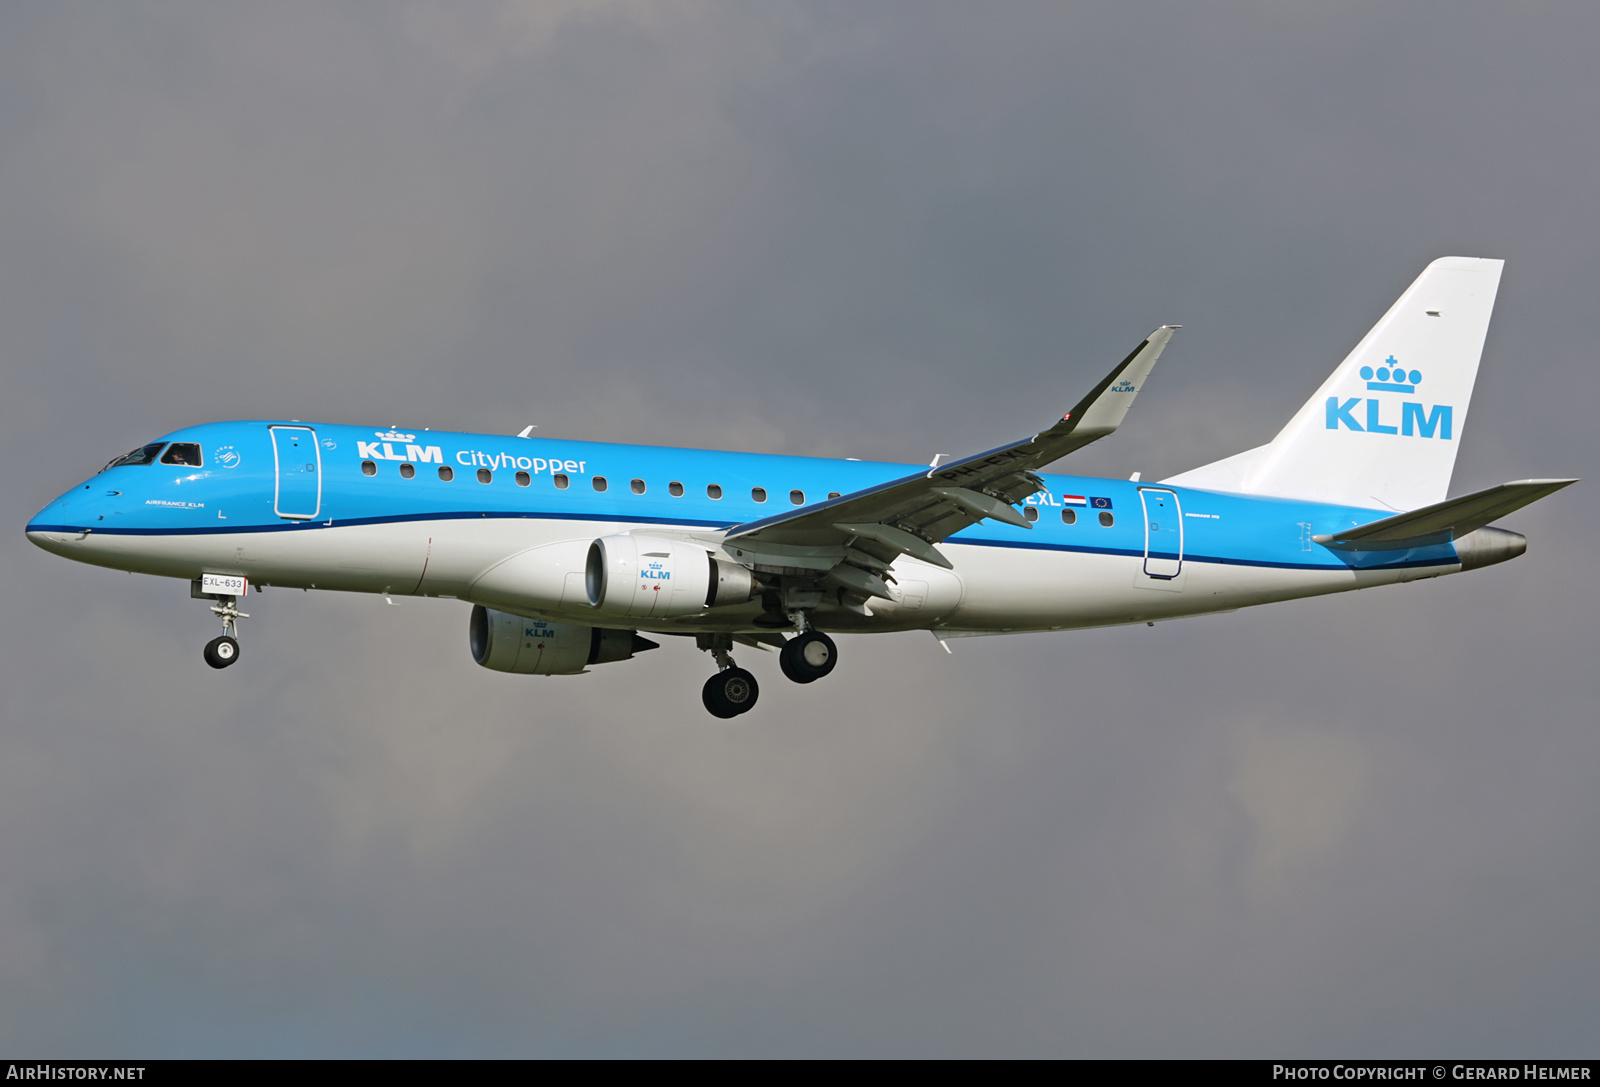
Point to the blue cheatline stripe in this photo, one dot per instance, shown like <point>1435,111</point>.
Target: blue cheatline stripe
<point>1020,545</point>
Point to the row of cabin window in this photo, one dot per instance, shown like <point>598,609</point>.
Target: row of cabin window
<point>563,481</point>
<point>1069,517</point>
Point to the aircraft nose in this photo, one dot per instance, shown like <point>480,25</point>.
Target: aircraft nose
<point>53,525</point>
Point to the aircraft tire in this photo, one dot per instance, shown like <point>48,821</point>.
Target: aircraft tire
<point>221,652</point>
<point>808,657</point>
<point>730,692</point>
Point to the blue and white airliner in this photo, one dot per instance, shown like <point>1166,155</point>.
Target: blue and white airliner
<point>570,551</point>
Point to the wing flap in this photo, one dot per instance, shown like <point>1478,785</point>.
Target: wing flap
<point>900,540</point>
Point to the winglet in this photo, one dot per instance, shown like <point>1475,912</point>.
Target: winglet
<point>1103,410</point>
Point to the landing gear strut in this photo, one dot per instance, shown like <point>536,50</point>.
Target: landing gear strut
<point>732,690</point>
<point>223,651</point>
<point>808,657</point>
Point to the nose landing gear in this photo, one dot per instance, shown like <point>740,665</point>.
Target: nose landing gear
<point>223,651</point>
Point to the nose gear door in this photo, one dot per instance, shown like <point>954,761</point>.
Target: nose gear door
<point>298,460</point>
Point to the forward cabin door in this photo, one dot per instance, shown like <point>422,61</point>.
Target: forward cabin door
<point>1163,533</point>
<point>298,495</point>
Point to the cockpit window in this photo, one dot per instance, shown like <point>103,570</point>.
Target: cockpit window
<point>145,454</point>
<point>182,453</point>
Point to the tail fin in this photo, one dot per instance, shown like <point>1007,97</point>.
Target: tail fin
<point>1382,431</point>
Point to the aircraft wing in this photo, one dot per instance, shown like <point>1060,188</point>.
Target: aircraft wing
<point>1444,521</point>
<point>854,538</point>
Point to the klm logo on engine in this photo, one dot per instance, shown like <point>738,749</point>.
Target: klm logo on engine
<point>1416,420</point>
<point>656,571</point>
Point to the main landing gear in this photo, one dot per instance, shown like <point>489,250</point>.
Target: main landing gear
<point>808,657</point>
<point>805,658</point>
<point>732,690</point>
<point>223,651</point>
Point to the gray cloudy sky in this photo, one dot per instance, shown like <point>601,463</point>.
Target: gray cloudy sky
<point>1358,825</point>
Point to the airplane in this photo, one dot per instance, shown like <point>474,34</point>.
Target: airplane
<point>569,552</point>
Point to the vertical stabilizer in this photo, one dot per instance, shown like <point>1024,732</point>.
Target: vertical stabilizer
<point>1382,432</point>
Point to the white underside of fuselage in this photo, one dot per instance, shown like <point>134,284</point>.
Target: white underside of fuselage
<point>991,590</point>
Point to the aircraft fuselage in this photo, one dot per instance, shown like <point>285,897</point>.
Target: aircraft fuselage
<point>360,509</point>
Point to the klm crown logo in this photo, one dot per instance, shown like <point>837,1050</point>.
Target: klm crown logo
<point>395,436</point>
<point>1391,378</point>
<point>1416,420</point>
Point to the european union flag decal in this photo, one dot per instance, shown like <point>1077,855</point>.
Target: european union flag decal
<point>1100,503</point>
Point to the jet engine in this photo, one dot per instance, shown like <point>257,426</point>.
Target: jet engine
<point>534,647</point>
<point>635,577</point>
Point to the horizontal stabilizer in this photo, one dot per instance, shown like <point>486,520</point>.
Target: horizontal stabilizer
<point>1445,521</point>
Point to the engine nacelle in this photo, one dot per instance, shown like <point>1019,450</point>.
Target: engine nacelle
<point>535,647</point>
<point>639,577</point>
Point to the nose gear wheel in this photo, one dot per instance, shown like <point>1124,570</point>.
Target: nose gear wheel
<point>221,652</point>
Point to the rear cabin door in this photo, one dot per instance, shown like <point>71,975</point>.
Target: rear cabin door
<point>298,496</point>
<point>1163,533</point>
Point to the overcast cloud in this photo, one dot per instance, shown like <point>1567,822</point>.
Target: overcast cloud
<point>1356,825</point>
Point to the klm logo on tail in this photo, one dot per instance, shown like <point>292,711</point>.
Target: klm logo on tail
<point>1415,421</point>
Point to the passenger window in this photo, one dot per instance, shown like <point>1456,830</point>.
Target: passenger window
<point>1030,512</point>
<point>675,489</point>
<point>758,493</point>
<point>484,475</point>
<point>187,453</point>
<point>368,468</point>
<point>560,479</point>
<point>1069,517</point>
<point>446,473</point>
<point>713,490</point>
<point>523,479</point>
<point>833,494</point>
<point>1106,519</point>
<point>145,454</point>
<point>638,486</point>
<point>797,497</point>
<point>599,483</point>
<point>407,471</point>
